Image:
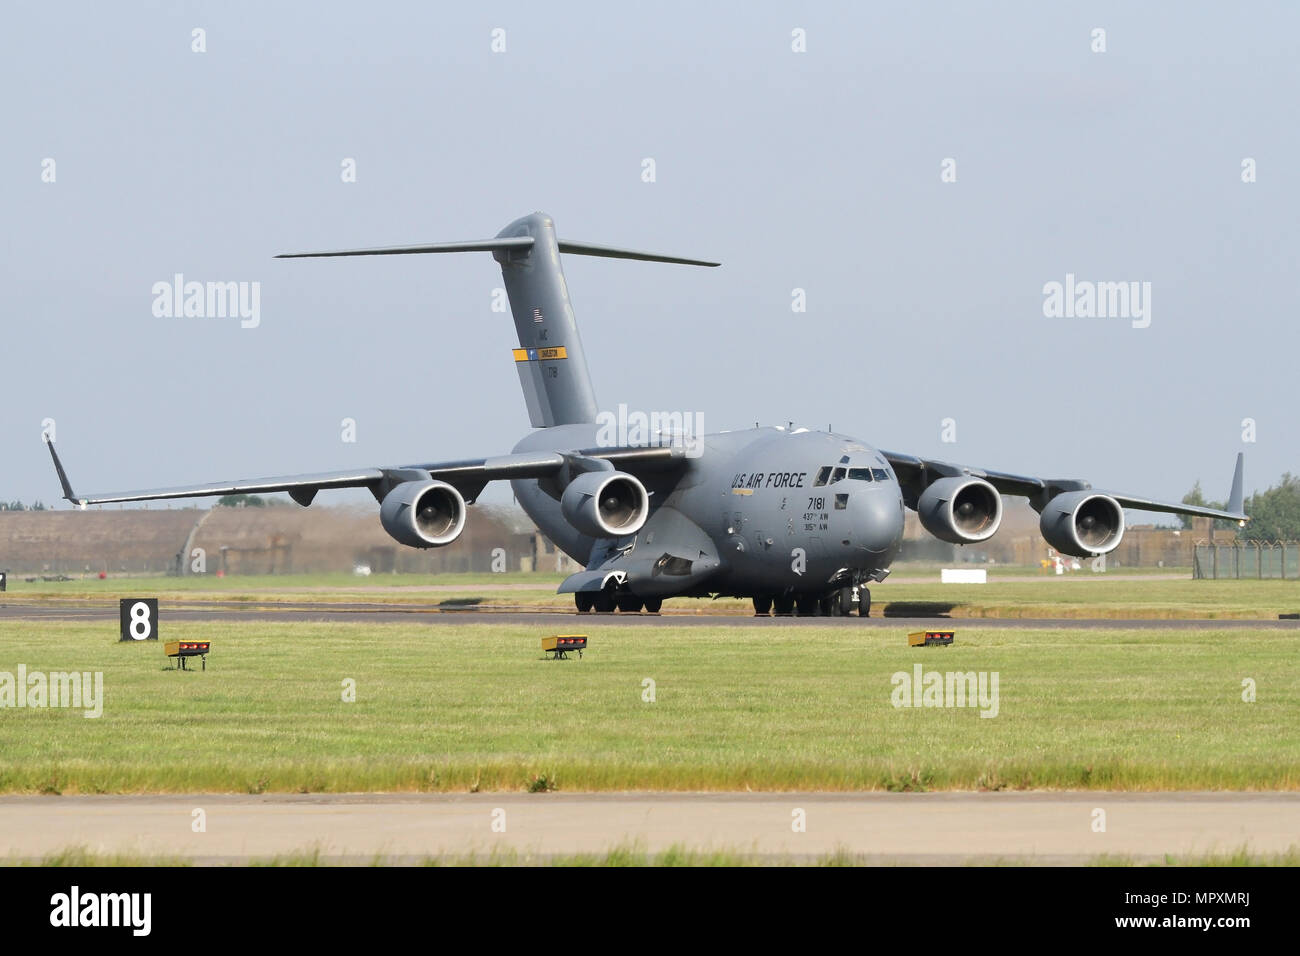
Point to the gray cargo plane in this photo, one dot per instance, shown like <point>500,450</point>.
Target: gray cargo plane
<point>792,518</point>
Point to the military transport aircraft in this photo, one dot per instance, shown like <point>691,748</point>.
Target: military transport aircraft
<point>789,517</point>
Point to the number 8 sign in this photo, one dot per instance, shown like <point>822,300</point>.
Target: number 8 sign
<point>139,617</point>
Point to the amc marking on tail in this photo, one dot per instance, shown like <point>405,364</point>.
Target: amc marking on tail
<point>540,355</point>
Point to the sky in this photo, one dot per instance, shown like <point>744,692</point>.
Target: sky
<point>807,147</point>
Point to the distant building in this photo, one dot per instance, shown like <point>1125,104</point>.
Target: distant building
<point>268,540</point>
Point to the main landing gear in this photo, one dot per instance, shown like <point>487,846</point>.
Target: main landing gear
<point>839,603</point>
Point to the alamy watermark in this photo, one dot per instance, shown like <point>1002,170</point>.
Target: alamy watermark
<point>1085,299</point>
<point>179,299</point>
<point>37,689</point>
<point>946,689</point>
<point>129,910</point>
<point>651,430</point>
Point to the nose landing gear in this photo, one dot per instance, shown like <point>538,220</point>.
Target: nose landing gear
<point>864,602</point>
<point>608,600</point>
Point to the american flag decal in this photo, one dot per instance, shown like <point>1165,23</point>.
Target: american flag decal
<point>537,316</point>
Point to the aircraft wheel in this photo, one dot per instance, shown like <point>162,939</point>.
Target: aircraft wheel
<point>605,602</point>
<point>864,602</point>
<point>762,606</point>
<point>583,601</point>
<point>629,603</point>
<point>842,600</point>
<point>652,605</point>
<point>783,605</point>
<point>807,606</point>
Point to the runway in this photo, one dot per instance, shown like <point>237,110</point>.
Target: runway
<point>924,828</point>
<point>441,614</point>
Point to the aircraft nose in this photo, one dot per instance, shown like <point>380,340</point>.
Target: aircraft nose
<point>878,521</point>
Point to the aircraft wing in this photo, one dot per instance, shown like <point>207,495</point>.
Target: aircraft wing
<point>468,476</point>
<point>914,474</point>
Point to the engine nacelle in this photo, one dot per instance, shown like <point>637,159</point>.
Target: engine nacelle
<point>960,510</point>
<point>423,514</point>
<point>605,504</point>
<point>1083,523</point>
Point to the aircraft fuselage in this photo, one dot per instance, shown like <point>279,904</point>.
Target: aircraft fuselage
<point>780,511</point>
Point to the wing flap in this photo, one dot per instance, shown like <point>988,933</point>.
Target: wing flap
<point>914,474</point>
<point>296,485</point>
<point>469,476</point>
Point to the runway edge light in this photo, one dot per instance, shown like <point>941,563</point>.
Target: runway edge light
<point>930,638</point>
<point>183,649</point>
<point>559,645</point>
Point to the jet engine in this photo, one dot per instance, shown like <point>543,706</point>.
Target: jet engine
<point>423,514</point>
<point>1082,523</point>
<point>605,504</point>
<point>961,510</point>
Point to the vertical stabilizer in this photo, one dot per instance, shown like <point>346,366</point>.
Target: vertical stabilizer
<point>550,361</point>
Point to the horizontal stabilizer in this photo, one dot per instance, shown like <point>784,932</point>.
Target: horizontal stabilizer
<point>550,363</point>
<point>501,244</point>
<point>610,252</point>
<point>470,245</point>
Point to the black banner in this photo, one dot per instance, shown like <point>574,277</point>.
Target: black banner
<point>930,907</point>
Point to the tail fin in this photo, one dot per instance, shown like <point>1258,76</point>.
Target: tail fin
<point>552,366</point>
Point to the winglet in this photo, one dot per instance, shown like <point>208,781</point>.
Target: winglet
<point>1235,497</point>
<point>63,475</point>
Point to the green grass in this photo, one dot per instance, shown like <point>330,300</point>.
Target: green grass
<point>1234,858</point>
<point>511,587</point>
<point>199,583</point>
<point>1088,595</point>
<point>636,855</point>
<point>475,707</point>
<point>1081,593</point>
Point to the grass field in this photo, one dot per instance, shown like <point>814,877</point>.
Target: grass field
<point>476,707</point>
<point>1109,596</point>
<point>636,855</point>
<point>1016,593</point>
<point>534,590</point>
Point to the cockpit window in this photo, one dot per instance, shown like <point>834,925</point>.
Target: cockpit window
<point>860,474</point>
<point>837,474</point>
<point>881,474</point>
<point>822,475</point>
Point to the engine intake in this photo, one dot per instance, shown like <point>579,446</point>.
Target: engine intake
<point>605,504</point>
<point>423,514</point>
<point>960,510</point>
<point>1082,523</point>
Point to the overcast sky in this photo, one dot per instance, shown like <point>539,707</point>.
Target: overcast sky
<point>817,170</point>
